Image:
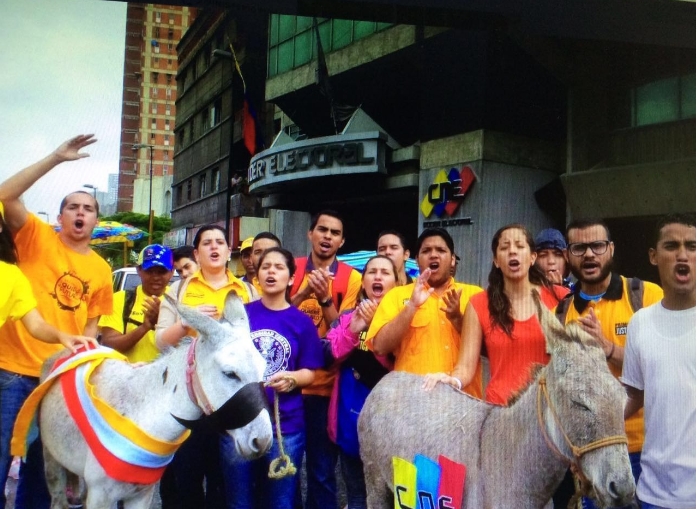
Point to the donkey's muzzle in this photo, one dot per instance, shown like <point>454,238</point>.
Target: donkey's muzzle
<point>238,411</point>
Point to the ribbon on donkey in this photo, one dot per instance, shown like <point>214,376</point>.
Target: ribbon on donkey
<point>125,451</point>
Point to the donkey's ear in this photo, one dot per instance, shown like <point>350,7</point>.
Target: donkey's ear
<point>234,312</point>
<point>555,334</point>
<point>204,324</point>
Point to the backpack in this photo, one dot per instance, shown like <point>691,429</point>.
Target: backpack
<point>339,285</point>
<point>128,301</point>
<point>633,286</point>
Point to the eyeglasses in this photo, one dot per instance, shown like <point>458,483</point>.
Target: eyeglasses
<point>598,247</point>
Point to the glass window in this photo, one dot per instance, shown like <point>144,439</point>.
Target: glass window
<point>303,23</point>
<point>273,61</point>
<point>363,29</point>
<point>656,102</point>
<point>687,96</point>
<point>285,56</point>
<point>303,48</point>
<point>273,29</point>
<point>286,27</point>
<point>341,34</point>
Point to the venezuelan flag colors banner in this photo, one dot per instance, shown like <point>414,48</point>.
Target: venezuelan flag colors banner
<point>426,484</point>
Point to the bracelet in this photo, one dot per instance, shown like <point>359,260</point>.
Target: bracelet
<point>459,383</point>
<point>612,350</point>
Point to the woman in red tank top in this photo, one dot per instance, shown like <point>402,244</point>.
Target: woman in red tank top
<point>501,323</point>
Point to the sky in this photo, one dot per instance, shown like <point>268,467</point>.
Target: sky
<point>62,75</point>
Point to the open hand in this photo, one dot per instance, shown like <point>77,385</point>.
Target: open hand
<point>73,342</point>
<point>70,150</point>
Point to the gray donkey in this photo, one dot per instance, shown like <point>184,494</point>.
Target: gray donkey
<point>516,456</point>
<point>193,383</point>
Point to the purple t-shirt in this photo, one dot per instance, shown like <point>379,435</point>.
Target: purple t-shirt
<point>288,341</point>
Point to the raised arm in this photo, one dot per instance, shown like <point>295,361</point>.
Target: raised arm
<point>16,185</point>
<point>389,337</point>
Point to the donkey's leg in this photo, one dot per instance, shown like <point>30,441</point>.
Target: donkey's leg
<point>142,499</point>
<point>378,495</point>
<point>56,480</point>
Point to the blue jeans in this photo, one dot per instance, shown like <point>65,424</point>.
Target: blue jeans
<point>635,461</point>
<point>646,505</point>
<point>32,492</point>
<point>247,483</point>
<point>321,455</point>
<point>352,471</point>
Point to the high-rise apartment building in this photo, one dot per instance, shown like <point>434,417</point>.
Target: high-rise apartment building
<point>149,95</point>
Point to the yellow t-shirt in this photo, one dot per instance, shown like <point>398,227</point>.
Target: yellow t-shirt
<point>324,380</point>
<point>145,350</point>
<point>614,311</point>
<point>16,297</point>
<point>431,344</point>
<point>69,287</point>
<point>198,292</point>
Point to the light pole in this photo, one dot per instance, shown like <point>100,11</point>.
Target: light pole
<point>135,149</point>
<point>93,188</point>
<point>43,214</point>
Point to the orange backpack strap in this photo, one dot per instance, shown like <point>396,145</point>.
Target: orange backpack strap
<point>300,264</point>
<point>340,284</point>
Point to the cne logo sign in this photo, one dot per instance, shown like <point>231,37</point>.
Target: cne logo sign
<point>428,484</point>
<point>447,192</point>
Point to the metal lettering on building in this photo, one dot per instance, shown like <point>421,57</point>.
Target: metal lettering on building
<point>319,157</point>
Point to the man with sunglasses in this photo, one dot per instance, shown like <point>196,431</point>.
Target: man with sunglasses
<point>602,303</point>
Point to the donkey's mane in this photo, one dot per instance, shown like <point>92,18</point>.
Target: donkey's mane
<point>534,371</point>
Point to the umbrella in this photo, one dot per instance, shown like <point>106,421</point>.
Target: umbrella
<point>110,232</point>
<point>358,260</point>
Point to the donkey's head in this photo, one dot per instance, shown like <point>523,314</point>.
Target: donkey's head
<point>226,382</point>
<point>589,405</point>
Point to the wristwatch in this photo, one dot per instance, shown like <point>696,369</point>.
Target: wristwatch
<point>325,303</point>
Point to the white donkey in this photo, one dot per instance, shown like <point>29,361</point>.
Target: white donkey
<point>194,382</point>
<point>516,456</point>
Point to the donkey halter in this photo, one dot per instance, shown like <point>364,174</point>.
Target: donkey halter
<point>578,452</point>
<point>193,384</point>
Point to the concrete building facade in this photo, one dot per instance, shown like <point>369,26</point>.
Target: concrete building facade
<point>465,128</point>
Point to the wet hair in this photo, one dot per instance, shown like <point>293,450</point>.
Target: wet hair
<point>435,232</point>
<point>8,250</point>
<point>327,212</point>
<point>582,224</point>
<point>290,263</point>
<point>361,293</point>
<point>206,228</point>
<point>499,304</point>
<point>267,235</point>
<point>64,201</point>
<point>402,238</point>
<point>683,219</point>
<point>183,252</point>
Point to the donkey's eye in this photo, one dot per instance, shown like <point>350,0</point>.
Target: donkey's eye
<point>232,376</point>
<point>580,405</point>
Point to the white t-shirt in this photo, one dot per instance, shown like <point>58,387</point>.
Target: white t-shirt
<point>660,360</point>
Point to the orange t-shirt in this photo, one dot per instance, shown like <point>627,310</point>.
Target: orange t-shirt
<point>69,287</point>
<point>512,357</point>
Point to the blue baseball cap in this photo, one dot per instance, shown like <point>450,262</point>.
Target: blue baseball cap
<point>550,239</point>
<point>156,255</point>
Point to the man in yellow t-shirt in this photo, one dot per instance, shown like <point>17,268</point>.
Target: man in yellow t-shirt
<point>420,323</point>
<point>602,304</point>
<point>135,337</point>
<point>72,285</point>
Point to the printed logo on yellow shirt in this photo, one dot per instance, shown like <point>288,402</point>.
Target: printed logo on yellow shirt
<point>70,291</point>
<point>311,308</point>
<point>621,329</point>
